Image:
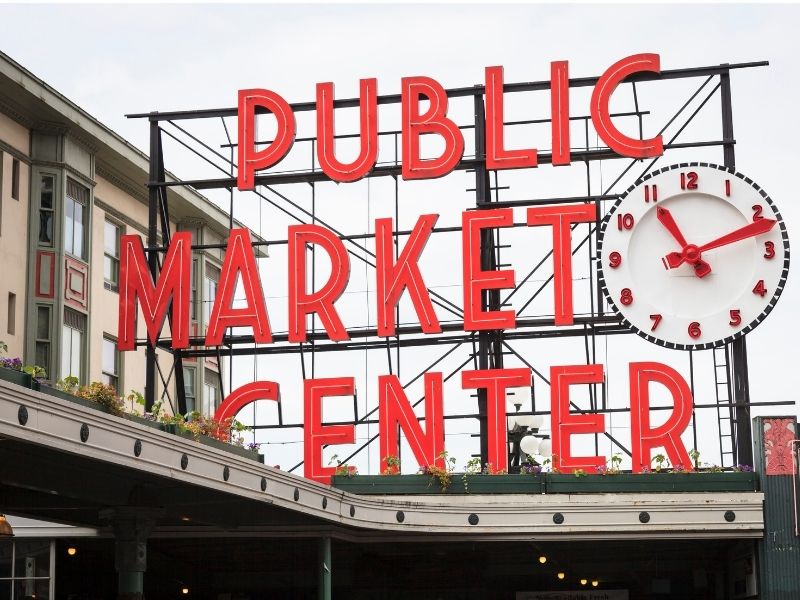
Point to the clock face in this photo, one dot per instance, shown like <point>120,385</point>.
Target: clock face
<point>693,256</point>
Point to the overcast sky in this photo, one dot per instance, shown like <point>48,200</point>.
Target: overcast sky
<point>123,59</point>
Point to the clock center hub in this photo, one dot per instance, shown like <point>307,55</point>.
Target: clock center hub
<point>691,254</point>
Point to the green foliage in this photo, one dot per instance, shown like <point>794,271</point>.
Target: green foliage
<point>70,385</point>
<point>34,371</point>
<point>661,461</point>
<point>444,475</point>
<point>343,469</point>
<point>103,394</point>
<point>392,465</point>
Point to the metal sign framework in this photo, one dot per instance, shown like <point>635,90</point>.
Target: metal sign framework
<point>488,348</point>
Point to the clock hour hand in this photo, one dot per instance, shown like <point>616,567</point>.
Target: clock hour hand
<point>688,253</point>
<point>668,221</point>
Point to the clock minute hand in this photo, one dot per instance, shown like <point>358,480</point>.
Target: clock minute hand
<point>750,230</point>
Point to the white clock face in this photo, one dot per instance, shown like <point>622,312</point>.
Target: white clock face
<point>693,256</point>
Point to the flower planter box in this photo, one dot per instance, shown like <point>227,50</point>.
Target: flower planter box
<point>562,483</point>
<point>17,377</point>
<point>204,439</point>
<point>51,391</point>
<point>425,484</point>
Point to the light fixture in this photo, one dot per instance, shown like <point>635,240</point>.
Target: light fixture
<point>542,559</point>
<point>5,527</point>
<point>560,575</point>
<point>584,581</point>
<point>184,590</point>
<point>545,448</point>
<point>595,583</point>
<point>530,445</point>
<point>72,550</point>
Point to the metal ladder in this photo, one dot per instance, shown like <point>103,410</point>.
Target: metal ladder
<point>726,423</point>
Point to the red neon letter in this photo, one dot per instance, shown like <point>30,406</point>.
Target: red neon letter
<point>643,437</point>
<point>250,159</point>
<point>239,259</point>
<point>315,433</point>
<point>173,286</point>
<point>321,302</point>
<point>497,157</point>
<point>601,95</point>
<point>433,121</point>
<point>561,218</point>
<point>393,278</point>
<point>475,279</point>
<point>395,411</point>
<point>496,382</point>
<point>559,112</point>
<point>564,424</point>
<point>242,396</point>
<point>326,133</point>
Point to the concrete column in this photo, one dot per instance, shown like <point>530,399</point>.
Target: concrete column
<point>131,525</point>
<point>324,569</point>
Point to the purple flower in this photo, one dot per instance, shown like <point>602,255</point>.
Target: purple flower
<point>602,469</point>
<point>253,446</point>
<point>11,363</point>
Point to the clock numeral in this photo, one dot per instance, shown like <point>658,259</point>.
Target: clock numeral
<point>728,187</point>
<point>757,209</point>
<point>614,260</point>
<point>760,289</point>
<point>736,318</point>
<point>625,221</point>
<point>626,296</point>
<point>656,321</point>
<point>689,181</point>
<point>651,191</point>
<point>694,330</point>
<point>769,250</point>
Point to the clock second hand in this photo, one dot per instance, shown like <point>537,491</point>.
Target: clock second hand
<point>675,259</point>
<point>689,252</point>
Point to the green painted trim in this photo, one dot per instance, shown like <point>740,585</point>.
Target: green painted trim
<point>561,483</point>
<point>425,484</point>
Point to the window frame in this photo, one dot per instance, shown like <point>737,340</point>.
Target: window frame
<point>15,178</point>
<point>117,375</point>
<point>69,202</point>
<point>81,348</point>
<point>112,284</point>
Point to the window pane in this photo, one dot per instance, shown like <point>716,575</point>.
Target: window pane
<point>107,269</point>
<point>42,323</point>
<point>32,588</point>
<point>46,194</point>
<point>32,559</point>
<point>75,359</point>
<point>66,348</point>
<point>5,559</point>
<point>78,243</point>
<point>43,359</point>
<point>111,239</point>
<point>69,225</point>
<point>109,356</point>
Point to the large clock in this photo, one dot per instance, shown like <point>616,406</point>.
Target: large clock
<point>693,256</point>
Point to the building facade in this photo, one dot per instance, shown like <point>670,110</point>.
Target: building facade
<point>70,188</point>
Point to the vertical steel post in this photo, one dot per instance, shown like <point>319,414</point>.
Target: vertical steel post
<point>743,447</point>
<point>324,585</point>
<point>482,194</point>
<point>152,256</point>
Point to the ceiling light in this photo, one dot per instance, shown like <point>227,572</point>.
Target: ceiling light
<point>5,527</point>
<point>560,575</point>
<point>595,583</point>
<point>542,559</point>
<point>584,581</point>
<point>72,550</point>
